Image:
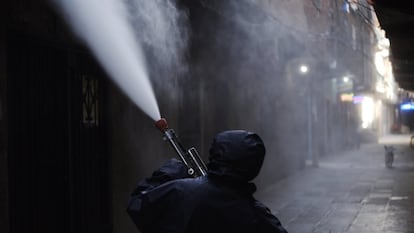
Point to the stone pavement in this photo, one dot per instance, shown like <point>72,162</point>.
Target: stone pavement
<point>350,192</point>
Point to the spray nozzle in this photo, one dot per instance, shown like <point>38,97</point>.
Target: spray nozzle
<point>161,124</point>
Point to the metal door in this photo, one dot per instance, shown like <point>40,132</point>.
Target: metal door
<point>58,163</point>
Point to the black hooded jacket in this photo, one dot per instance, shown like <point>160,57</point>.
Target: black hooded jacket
<point>222,201</point>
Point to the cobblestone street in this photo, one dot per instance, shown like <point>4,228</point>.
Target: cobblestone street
<point>350,192</point>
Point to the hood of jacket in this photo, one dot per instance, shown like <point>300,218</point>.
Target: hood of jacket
<point>236,155</point>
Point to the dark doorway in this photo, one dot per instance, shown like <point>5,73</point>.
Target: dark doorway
<point>58,163</point>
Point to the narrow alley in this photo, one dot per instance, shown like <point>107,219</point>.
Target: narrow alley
<point>351,192</point>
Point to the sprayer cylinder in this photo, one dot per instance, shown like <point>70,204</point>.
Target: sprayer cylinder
<point>190,158</point>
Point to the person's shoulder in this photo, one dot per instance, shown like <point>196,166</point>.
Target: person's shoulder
<point>187,183</point>
<point>186,187</point>
<point>175,188</point>
<point>191,182</point>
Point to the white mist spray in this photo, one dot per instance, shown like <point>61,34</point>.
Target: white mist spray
<point>104,27</point>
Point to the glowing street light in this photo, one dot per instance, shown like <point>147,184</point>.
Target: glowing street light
<point>310,155</point>
<point>303,69</point>
<point>345,79</point>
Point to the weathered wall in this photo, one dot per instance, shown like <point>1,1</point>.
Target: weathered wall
<point>4,219</point>
<point>244,54</point>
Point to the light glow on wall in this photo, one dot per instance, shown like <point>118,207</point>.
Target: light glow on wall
<point>407,106</point>
<point>347,97</point>
<point>358,99</point>
<point>379,63</point>
<point>367,111</point>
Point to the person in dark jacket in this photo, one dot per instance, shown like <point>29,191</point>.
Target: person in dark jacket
<point>222,201</point>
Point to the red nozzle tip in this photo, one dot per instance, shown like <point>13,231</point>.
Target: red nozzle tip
<point>161,124</point>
